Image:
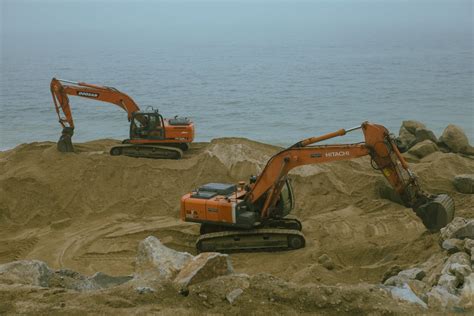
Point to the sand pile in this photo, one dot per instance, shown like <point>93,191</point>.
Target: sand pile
<point>88,211</point>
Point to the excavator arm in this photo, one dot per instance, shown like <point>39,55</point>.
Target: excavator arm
<point>435,211</point>
<point>60,93</point>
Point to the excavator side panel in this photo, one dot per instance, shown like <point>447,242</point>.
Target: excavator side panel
<point>216,211</point>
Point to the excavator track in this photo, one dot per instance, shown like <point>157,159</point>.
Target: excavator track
<point>147,151</point>
<point>263,239</point>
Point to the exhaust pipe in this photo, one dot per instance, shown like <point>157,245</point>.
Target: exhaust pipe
<point>64,144</point>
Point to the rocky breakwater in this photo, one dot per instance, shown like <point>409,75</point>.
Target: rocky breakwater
<point>444,282</point>
<point>419,141</point>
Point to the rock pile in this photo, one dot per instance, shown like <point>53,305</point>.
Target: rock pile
<point>37,273</point>
<point>453,286</point>
<point>416,139</point>
<point>155,261</point>
<point>464,183</point>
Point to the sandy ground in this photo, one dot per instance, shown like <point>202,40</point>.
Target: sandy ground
<point>88,211</point>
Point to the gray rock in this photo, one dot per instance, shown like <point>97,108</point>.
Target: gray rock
<point>460,258</point>
<point>326,262</point>
<point>455,269</point>
<point>412,274</point>
<point>412,125</point>
<point>460,271</point>
<point>396,280</point>
<point>449,283</point>
<point>423,134</point>
<point>233,295</point>
<point>30,272</point>
<point>144,289</point>
<point>105,281</point>
<point>453,245</point>
<point>423,149</point>
<point>419,288</point>
<point>34,272</point>
<point>460,228</point>
<point>156,261</point>
<point>455,139</point>
<point>467,292</point>
<point>464,183</point>
<point>405,293</point>
<point>203,267</point>
<point>405,139</point>
<point>439,297</point>
<point>468,245</point>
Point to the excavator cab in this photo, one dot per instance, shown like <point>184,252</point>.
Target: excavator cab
<point>286,202</point>
<point>147,125</point>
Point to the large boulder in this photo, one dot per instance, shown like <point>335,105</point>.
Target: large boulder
<point>460,228</point>
<point>412,125</point>
<point>423,149</point>
<point>205,266</point>
<point>413,274</point>
<point>422,134</point>
<point>30,272</point>
<point>464,183</point>
<point>405,293</point>
<point>156,261</point>
<point>455,139</point>
<point>35,272</point>
<point>405,139</point>
<point>453,245</point>
<point>405,276</point>
<point>439,298</point>
<point>455,270</point>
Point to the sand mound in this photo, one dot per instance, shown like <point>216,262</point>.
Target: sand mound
<point>88,211</point>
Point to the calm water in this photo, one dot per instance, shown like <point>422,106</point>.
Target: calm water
<point>274,71</point>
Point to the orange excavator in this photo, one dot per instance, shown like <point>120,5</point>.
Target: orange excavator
<point>151,135</point>
<point>254,216</point>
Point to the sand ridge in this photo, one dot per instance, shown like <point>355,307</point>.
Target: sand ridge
<point>88,211</point>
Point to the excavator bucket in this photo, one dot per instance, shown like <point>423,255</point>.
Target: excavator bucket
<point>437,213</point>
<point>65,142</point>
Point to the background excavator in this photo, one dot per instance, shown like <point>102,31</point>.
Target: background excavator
<point>151,135</point>
<point>253,216</point>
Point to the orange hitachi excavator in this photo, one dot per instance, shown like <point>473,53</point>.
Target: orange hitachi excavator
<point>254,216</point>
<point>151,135</point>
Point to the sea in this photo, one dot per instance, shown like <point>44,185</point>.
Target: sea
<point>271,71</point>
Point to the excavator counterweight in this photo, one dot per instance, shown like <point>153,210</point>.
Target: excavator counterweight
<point>255,216</point>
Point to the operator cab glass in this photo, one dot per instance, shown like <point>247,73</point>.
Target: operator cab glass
<point>286,202</point>
<point>147,125</point>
